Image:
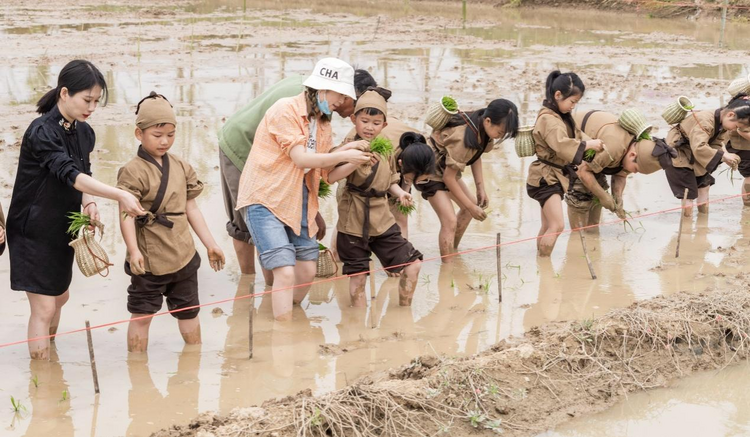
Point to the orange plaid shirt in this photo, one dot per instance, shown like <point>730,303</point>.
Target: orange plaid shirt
<point>270,177</point>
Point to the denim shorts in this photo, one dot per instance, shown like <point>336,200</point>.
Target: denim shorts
<point>276,242</point>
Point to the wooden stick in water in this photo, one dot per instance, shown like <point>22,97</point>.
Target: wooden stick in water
<point>91,358</point>
<point>499,271</point>
<point>250,323</point>
<point>682,219</point>
<point>373,302</point>
<point>586,251</point>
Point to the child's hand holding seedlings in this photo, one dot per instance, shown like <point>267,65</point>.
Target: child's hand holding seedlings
<point>215,258</point>
<point>362,145</point>
<point>595,145</point>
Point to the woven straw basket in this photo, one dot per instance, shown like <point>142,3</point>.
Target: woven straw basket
<point>327,267</point>
<point>90,255</point>
<point>438,116</point>
<point>677,110</point>
<point>633,121</point>
<point>741,85</point>
<point>525,145</point>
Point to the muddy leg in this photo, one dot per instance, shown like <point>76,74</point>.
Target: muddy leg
<point>283,280</point>
<point>43,309</point>
<point>190,330</point>
<point>334,250</point>
<point>555,224</point>
<point>746,189</point>
<point>245,256</point>
<point>703,197</point>
<point>304,273</point>
<point>60,301</point>
<point>463,218</point>
<point>138,333</point>
<point>442,205</point>
<point>357,290</point>
<point>407,284</point>
<point>577,217</point>
<point>688,211</point>
<point>403,223</point>
<point>594,218</point>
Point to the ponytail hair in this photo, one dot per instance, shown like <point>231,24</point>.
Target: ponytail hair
<point>499,111</point>
<point>78,75</point>
<point>569,84</point>
<point>416,156</point>
<point>740,105</point>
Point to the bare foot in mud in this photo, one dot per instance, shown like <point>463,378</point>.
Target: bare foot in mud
<point>286,317</point>
<point>40,354</point>
<point>137,344</point>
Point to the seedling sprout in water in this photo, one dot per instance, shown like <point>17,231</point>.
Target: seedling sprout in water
<point>382,146</point>
<point>17,405</point>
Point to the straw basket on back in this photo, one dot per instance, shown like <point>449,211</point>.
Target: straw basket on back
<point>525,145</point>
<point>438,115</point>
<point>676,111</point>
<point>633,121</point>
<point>327,266</point>
<point>740,86</point>
<point>90,255</point>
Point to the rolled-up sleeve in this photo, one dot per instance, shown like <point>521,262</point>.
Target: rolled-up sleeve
<point>194,186</point>
<point>48,148</point>
<point>285,128</point>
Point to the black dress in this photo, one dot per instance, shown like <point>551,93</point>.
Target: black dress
<point>53,154</point>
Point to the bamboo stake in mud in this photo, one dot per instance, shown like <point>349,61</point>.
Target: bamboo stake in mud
<point>373,302</point>
<point>586,251</point>
<point>682,219</point>
<point>499,271</point>
<point>91,358</point>
<point>250,324</point>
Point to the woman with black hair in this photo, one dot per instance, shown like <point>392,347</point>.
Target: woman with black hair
<point>559,150</point>
<point>459,144</point>
<point>700,138</point>
<point>54,179</point>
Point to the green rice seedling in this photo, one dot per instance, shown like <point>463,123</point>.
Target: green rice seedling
<point>405,210</point>
<point>64,395</point>
<point>690,107</point>
<point>78,221</point>
<point>589,155</point>
<point>321,247</point>
<point>382,146</point>
<point>449,103</point>
<point>324,191</point>
<point>35,381</point>
<point>646,135</point>
<point>16,405</point>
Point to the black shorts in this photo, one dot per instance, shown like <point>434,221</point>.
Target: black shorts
<point>146,293</point>
<point>543,192</point>
<point>429,188</point>
<point>744,155</point>
<point>391,248</point>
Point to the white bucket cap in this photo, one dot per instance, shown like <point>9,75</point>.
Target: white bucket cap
<point>333,74</point>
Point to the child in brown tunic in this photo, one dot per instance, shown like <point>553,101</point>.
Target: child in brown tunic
<point>366,224</point>
<point>739,144</point>
<point>162,260</point>
<point>460,144</point>
<point>701,136</point>
<point>560,148</point>
<point>591,181</point>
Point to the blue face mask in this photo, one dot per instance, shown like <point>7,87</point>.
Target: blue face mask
<point>323,106</point>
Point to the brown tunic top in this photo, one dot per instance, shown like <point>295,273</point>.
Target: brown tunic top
<point>604,126</point>
<point>738,141</point>
<point>555,143</point>
<point>698,142</point>
<point>450,151</point>
<point>165,250</point>
<point>352,205</point>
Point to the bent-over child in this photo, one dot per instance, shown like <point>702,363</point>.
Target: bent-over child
<point>162,261</point>
<point>2,231</point>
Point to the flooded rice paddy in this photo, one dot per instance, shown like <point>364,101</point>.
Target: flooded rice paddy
<point>210,58</point>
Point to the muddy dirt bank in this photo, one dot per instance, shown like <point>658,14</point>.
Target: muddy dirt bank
<point>556,372</point>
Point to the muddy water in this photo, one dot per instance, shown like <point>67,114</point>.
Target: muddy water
<point>708,405</point>
<point>210,60</point>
